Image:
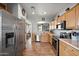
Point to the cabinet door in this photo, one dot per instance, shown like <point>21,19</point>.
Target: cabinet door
<point>71,19</point>
<point>55,23</point>
<point>77,16</point>
<point>61,49</point>
<point>3,6</point>
<point>59,19</point>
<point>50,26</point>
<point>44,37</point>
<point>50,38</point>
<point>63,17</point>
<point>67,50</point>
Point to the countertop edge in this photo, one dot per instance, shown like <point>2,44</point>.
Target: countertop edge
<point>68,43</point>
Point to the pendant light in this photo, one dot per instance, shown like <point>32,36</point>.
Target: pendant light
<point>33,10</point>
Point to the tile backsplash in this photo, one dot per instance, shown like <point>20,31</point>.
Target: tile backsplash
<point>57,32</point>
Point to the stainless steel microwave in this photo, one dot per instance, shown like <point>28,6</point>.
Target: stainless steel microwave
<point>62,25</point>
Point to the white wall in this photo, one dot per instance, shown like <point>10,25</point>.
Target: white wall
<point>28,41</point>
<point>20,12</point>
<point>34,24</point>
<point>16,10</point>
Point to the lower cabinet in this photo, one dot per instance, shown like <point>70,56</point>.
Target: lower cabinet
<point>44,37</point>
<point>33,37</point>
<point>67,50</point>
<point>50,38</point>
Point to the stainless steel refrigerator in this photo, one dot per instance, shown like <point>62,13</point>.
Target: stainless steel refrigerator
<point>20,37</point>
<point>12,34</point>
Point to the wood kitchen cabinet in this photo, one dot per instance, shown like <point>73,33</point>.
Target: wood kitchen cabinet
<point>61,48</point>
<point>50,38</point>
<point>67,50</point>
<point>77,16</point>
<point>71,19</point>
<point>33,37</point>
<point>53,24</point>
<point>44,37</point>
<point>63,17</point>
<point>59,19</point>
<point>50,26</point>
<point>3,6</point>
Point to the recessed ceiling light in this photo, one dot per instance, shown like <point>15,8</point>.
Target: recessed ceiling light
<point>45,13</point>
<point>33,13</point>
<point>33,10</point>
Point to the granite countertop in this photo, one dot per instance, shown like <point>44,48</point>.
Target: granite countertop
<point>73,43</point>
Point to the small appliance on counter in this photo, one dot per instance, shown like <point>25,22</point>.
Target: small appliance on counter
<point>75,35</point>
<point>65,35</point>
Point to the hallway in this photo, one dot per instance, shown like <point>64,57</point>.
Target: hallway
<point>39,49</point>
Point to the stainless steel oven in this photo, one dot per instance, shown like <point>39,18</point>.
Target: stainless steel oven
<point>12,34</point>
<point>55,44</point>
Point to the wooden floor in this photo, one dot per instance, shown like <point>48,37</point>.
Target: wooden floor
<point>39,49</point>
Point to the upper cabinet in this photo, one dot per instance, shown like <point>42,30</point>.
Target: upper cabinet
<point>59,19</point>
<point>63,17</point>
<point>3,6</point>
<point>71,19</point>
<point>56,22</point>
<point>53,24</point>
<point>77,16</point>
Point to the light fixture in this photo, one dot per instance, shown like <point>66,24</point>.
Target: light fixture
<point>44,12</point>
<point>33,10</point>
<point>42,21</point>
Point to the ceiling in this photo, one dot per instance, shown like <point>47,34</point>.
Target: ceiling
<point>51,8</point>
